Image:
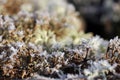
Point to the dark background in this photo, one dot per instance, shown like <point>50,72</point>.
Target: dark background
<point>102,17</point>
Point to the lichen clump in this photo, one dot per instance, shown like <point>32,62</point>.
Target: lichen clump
<point>47,41</point>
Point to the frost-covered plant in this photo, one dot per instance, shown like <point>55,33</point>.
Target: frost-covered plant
<point>30,60</point>
<point>98,69</point>
<point>113,50</point>
<point>113,54</point>
<point>49,43</point>
<point>44,25</point>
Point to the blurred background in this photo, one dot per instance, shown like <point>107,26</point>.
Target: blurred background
<point>102,17</point>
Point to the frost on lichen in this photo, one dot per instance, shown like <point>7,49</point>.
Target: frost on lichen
<point>46,40</point>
